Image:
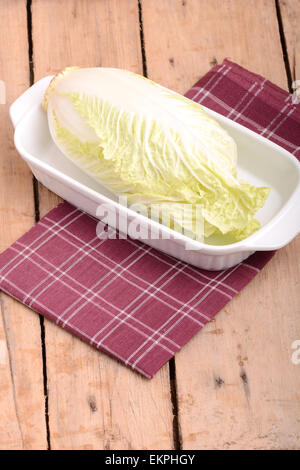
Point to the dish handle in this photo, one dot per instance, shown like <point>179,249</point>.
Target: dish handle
<point>279,234</point>
<point>24,103</point>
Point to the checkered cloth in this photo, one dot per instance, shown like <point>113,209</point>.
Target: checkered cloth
<point>121,296</point>
<point>252,101</point>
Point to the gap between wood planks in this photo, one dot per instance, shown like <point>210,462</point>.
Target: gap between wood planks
<point>37,218</point>
<point>177,440</point>
<point>284,48</point>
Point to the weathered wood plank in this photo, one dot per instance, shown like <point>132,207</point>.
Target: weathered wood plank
<point>94,402</point>
<point>290,14</point>
<point>184,38</point>
<point>236,384</point>
<point>22,406</point>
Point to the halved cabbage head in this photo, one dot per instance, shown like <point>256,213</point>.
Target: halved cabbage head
<point>153,145</point>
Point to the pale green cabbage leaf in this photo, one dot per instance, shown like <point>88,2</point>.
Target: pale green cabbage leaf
<point>153,145</point>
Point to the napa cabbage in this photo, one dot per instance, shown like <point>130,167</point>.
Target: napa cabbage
<point>153,145</point>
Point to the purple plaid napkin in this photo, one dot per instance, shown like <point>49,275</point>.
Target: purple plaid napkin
<point>121,296</point>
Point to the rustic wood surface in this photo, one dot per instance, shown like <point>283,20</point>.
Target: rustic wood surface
<point>22,404</point>
<point>234,385</point>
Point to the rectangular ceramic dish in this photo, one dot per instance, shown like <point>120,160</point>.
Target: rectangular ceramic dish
<point>260,162</point>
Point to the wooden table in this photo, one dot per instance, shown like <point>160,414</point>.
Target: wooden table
<point>234,385</point>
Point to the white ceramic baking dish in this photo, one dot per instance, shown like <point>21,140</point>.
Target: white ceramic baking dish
<point>260,162</point>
